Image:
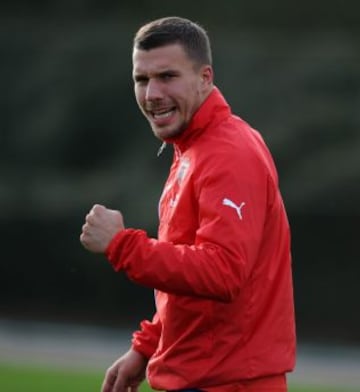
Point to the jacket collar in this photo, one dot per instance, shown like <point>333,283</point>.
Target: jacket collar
<point>213,109</point>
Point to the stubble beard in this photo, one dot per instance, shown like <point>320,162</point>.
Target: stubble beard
<point>168,134</point>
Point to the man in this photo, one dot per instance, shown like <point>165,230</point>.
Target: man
<point>221,266</point>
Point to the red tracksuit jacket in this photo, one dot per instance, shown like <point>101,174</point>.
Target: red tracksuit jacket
<point>221,266</point>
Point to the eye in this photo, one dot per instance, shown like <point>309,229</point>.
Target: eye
<point>139,79</point>
<point>166,76</point>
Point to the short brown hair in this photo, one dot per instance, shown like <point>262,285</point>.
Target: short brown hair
<point>171,30</point>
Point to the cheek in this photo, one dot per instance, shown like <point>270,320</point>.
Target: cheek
<point>193,101</point>
<point>139,96</point>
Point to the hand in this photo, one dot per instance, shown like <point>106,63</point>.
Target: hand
<point>126,373</point>
<point>101,225</point>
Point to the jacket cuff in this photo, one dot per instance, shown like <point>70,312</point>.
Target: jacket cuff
<point>145,351</point>
<point>113,250</point>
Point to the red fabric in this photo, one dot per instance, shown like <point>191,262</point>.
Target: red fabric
<point>221,266</point>
<point>263,384</point>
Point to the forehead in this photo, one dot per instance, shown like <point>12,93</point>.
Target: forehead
<point>161,58</point>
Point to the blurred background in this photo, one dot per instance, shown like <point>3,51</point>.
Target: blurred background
<point>71,135</point>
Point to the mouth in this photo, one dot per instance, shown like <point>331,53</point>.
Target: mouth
<point>162,114</point>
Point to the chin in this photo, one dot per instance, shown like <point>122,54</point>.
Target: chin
<point>163,134</point>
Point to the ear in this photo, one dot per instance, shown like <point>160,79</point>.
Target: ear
<point>207,75</point>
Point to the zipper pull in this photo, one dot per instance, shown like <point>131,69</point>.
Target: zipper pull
<point>161,149</point>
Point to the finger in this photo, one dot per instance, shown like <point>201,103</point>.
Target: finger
<point>86,232</point>
<point>134,388</point>
<point>90,217</point>
<point>97,208</point>
<point>94,213</point>
<point>120,385</point>
<point>108,383</point>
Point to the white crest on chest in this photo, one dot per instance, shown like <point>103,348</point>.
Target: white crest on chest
<point>182,170</point>
<point>175,183</point>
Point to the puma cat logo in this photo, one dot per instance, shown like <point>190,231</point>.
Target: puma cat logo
<point>231,204</point>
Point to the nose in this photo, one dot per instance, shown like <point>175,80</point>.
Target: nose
<point>153,90</point>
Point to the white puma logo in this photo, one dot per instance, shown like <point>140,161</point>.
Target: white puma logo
<point>230,203</point>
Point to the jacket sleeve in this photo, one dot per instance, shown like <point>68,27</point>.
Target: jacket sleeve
<point>218,263</point>
<point>145,341</point>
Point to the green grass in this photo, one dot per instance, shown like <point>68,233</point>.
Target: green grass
<point>35,379</point>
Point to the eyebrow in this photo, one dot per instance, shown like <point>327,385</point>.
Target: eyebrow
<point>143,76</point>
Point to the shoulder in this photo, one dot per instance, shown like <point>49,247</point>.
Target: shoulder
<point>233,150</point>
<point>231,141</point>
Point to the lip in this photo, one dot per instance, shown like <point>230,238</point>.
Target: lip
<point>162,117</point>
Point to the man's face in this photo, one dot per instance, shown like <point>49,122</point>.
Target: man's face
<point>169,88</point>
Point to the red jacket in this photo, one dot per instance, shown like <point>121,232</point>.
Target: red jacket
<point>221,265</point>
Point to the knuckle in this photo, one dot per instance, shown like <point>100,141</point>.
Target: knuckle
<point>97,208</point>
<point>90,218</point>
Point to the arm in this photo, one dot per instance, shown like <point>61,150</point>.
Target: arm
<point>225,247</point>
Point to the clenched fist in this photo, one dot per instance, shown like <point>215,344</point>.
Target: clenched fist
<point>101,225</point>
